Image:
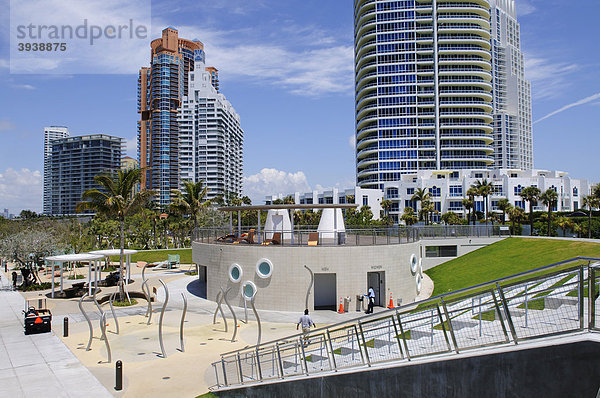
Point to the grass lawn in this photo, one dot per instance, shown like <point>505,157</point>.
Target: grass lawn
<point>152,256</point>
<point>507,257</point>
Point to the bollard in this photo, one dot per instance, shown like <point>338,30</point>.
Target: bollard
<point>66,327</point>
<point>119,376</point>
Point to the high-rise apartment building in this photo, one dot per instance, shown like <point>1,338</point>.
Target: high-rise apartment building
<point>513,147</point>
<point>167,154</point>
<point>425,96</point>
<point>210,136</point>
<point>73,164</point>
<point>50,133</point>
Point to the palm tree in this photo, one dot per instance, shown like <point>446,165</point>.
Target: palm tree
<point>116,199</point>
<point>566,224</point>
<point>468,204</point>
<point>471,193</point>
<point>386,205</point>
<point>504,205</point>
<point>531,195</point>
<point>517,215</point>
<point>191,201</point>
<point>590,201</point>
<point>549,198</point>
<point>484,189</point>
<point>420,195</point>
<point>409,217</point>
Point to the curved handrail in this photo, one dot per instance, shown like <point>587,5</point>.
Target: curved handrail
<point>160,320</point>
<point>87,318</point>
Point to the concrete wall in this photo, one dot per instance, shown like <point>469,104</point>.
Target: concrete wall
<point>559,371</point>
<point>464,246</point>
<point>286,289</point>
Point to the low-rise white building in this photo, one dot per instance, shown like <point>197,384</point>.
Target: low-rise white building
<point>448,188</point>
<point>362,197</point>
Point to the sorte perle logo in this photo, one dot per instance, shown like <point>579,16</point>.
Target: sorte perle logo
<point>78,36</point>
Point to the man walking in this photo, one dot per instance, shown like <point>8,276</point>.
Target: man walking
<point>306,322</point>
<point>371,296</point>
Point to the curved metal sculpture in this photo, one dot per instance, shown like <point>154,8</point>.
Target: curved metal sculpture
<point>112,309</point>
<point>312,279</point>
<point>99,309</point>
<point>160,320</point>
<point>232,312</point>
<point>182,321</point>
<point>148,299</point>
<point>257,320</point>
<point>87,318</point>
<point>103,329</point>
<point>219,308</point>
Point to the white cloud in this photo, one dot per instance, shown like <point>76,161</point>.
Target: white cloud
<point>131,147</point>
<point>6,125</point>
<point>273,181</point>
<point>569,106</point>
<point>20,190</point>
<point>318,68</point>
<point>548,78</point>
<point>23,86</point>
<point>524,7</point>
<point>352,141</point>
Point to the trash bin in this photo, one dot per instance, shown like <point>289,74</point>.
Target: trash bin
<point>359,302</point>
<point>346,303</point>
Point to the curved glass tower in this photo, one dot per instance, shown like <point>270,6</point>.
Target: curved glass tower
<point>423,73</point>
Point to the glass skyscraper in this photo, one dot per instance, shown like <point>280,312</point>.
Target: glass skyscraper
<point>424,79</point>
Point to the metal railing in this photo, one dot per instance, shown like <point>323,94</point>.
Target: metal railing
<point>557,299</point>
<point>301,235</point>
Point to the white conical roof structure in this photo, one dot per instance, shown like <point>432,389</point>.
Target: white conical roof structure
<point>278,221</point>
<point>329,226</point>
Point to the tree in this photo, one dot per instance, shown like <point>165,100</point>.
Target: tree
<point>408,216</point>
<point>451,218</point>
<point>590,201</point>
<point>386,205</point>
<point>504,205</point>
<point>420,195</point>
<point>531,195</point>
<point>28,214</point>
<point>468,204</point>
<point>566,224</point>
<point>484,189</point>
<point>191,201</point>
<point>116,200</point>
<point>471,193</point>
<point>549,198</point>
<point>517,216</point>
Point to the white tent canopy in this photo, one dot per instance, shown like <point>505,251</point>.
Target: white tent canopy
<point>80,257</point>
<point>117,252</point>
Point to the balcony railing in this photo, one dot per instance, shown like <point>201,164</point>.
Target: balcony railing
<point>558,299</point>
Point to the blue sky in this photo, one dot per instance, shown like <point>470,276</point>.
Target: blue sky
<point>286,66</point>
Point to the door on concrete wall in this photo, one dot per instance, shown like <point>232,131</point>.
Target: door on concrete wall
<point>376,280</point>
<point>325,292</point>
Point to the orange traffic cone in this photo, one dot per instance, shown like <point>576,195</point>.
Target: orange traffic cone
<point>391,305</point>
<point>341,310</point>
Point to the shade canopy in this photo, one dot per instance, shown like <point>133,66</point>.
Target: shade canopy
<point>113,252</point>
<point>66,258</point>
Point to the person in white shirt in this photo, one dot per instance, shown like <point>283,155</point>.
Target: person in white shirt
<point>371,296</point>
<point>306,322</point>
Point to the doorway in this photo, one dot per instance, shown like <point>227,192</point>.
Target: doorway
<point>325,292</point>
<point>376,280</point>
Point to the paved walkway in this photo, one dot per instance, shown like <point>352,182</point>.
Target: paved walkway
<point>38,365</point>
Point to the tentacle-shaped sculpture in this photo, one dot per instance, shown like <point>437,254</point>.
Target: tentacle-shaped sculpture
<point>232,313</point>
<point>87,318</point>
<point>312,279</point>
<point>149,300</point>
<point>257,320</point>
<point>182,321</point>
<point>160,320</point>
<point>112,309</point>
<point>103,329</point>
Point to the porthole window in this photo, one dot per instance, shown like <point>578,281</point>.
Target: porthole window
<point>264,268</point>
<point>413,263</point>
<point>235,273</point>
<point>248,290</point>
